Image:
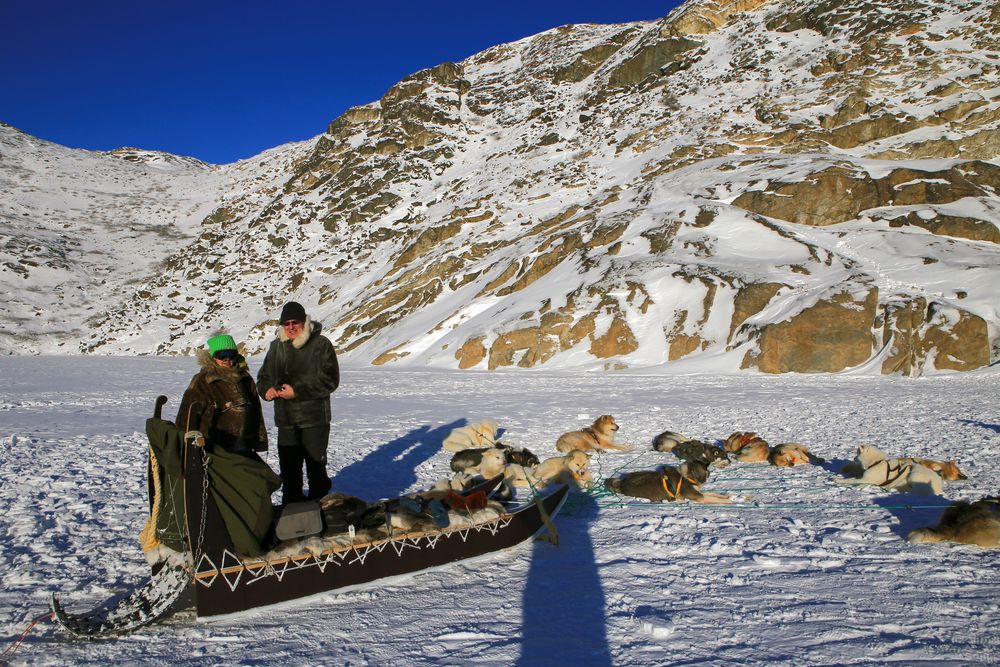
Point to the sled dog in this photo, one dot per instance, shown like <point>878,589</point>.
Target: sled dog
<point>667,484</point>
<point>468,460</point>
<point>791,454</point>
<point>735,441</point>
<point>969,523</point>
<point>703,452</point>
<point>571,468</point>
<point>597,436</point>
<point>666,441</point>
<point>754,450</point>
<point>476,435</point>
<point>893,473</point>
<point>493,462</point>
<point>948,470</point>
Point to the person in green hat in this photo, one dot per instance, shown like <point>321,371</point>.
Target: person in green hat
<point>232,422</point>
<point>232,418</point>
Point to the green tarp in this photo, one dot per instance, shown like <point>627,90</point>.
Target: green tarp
<point>241,486</point>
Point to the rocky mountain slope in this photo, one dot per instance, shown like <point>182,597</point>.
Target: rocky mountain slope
<point>783,185</point>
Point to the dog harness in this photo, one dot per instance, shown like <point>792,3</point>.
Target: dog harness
<point>672,495</point>
<point>899,471</point>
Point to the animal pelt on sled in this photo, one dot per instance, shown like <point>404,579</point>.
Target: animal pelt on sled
<point>469,460</point>
<point>476,435</point>
<point>401,513</point>
<point>969,523</point>
<point>667,484</point>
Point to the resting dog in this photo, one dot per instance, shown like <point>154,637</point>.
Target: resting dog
<point>754,450</point>
<point>702,452</point>
<point>878,470</point>
<point>572,468</point>
<point>667,484</point>
<point>737,440</point>
<point>477,434</point>
<point>597,436</point>
<point>948,470</point>
<point>666,441</point>
<point>969,523</point>
<point>468,460</point>
<point>792,454</point>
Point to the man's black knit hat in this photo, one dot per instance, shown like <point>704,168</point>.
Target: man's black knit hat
<point>292,311</point>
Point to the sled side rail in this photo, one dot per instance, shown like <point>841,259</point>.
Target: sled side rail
<point>254,564</point>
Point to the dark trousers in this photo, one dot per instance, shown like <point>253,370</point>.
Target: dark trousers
<point>303,445</point>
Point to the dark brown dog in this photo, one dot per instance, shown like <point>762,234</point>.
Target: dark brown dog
<point>969,523</point>
<point>667,484</point>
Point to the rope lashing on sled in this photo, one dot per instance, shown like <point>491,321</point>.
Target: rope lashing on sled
<point>147,537</point>
<point>9,651</point>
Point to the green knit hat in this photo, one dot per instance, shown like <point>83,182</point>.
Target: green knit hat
<point>221,342</point>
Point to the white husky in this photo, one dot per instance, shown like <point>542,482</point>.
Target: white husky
<point>894,473</point>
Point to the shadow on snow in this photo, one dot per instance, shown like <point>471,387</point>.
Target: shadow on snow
<point>981,424</point>
<point>912,510</point>
<point>391,469</point>
<point>563,604</point>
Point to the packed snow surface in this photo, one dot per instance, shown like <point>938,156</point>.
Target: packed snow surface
<point>799,571</point>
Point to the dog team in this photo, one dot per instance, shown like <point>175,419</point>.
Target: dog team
<point>478,454</point>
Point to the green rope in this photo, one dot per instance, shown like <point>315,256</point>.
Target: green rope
<point>692,505</point>
<point>605,498</point>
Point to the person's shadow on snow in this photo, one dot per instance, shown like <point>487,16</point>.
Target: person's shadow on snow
<point>391,469</point>
<point>563,604</point>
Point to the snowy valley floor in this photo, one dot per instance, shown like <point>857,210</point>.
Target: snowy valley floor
<point>801,572</point>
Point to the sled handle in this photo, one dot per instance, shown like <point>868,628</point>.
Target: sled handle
<point>158,408</point>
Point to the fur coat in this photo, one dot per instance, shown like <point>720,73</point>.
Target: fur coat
<point>309,364</point>
<point>232,417</point>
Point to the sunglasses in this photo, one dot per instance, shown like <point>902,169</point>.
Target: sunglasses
<point>226,355</point>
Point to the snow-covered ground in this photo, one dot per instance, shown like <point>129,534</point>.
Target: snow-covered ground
<point>800,571</point>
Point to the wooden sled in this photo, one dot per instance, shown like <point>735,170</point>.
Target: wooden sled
<point>225,583</point>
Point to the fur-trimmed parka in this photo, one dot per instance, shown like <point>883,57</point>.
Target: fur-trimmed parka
<point>309,364</point>
<point>232,417</point>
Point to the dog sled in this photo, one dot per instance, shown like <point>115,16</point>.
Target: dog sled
<point>220,581</point>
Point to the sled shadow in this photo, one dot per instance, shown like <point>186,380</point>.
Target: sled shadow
<point>391,470</point>
<point>912,510</point>
<point>563,605</point>
<point>974,422</point>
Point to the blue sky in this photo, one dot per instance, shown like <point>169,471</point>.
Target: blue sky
<point>224,80</point>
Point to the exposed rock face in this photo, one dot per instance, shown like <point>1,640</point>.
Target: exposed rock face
<point>936,336</point>
<point>616,196</point>
<point>833,334</point>
<point>842,192</point>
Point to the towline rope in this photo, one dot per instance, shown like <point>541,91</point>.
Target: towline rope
<point>9,651</point>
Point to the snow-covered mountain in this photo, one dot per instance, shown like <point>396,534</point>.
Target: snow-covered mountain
<point>786,185</point>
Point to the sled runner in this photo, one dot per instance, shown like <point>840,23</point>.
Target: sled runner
<point>223,581</point>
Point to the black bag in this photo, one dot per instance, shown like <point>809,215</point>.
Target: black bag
<point>342,511</point>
